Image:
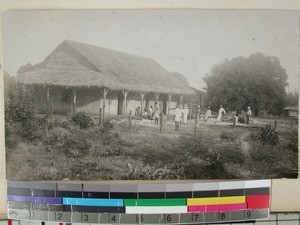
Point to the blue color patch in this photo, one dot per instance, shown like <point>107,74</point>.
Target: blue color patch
<point>93,202</point>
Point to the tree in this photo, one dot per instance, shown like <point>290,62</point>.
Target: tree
<point>258,81</point>
<point>292,98</point>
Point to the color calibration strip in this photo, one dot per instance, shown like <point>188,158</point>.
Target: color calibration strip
<point>139,203</point>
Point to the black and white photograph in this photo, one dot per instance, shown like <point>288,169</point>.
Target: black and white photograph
<point>151,94</point>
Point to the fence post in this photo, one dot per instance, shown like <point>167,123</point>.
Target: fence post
<point>161,122</point>
<point>51,118</point>
<point>196,122</point>
<point>234,121</point>
<point>130,118</point>
<point>275,124</point>
<point>100,116</point>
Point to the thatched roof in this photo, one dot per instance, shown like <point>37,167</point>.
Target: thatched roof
<point>292,108</point>
<point>74,64</point>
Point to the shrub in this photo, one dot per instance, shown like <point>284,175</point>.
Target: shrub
<point>108,125</point>
<point>241,119</point>
<point>83,120</point>
<point>268,135</point>
<point>113,144</point>
<point>19,110</point>
<point>290,140</point>
<point>147,172</point>
<point>228,135</point>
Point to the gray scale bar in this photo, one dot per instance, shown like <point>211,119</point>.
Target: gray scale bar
<point>40,207</point>
<point>124,188</point>
<point>39,215</point>
<point>69,187</point>
<point>96,187</point>
<point>60,216</point>
<point>191,218</point>
<point>110,218</point>
<point>206,186</point>
<point>85,217</point>
<point>19,205</point>
<point>116,218</point>
<point>32,185</point>
<point>19,214</point>
<point>169,219</point>
<point>179,187</point>
<point>151,188</point>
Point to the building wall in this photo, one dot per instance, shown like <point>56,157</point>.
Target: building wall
<point>293,113</point>
<point>90,100</point>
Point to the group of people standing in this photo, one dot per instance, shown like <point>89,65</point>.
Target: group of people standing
<point>152,113</point>
<point>181,114</point>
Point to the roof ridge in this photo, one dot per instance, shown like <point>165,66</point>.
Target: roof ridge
<point>108,49</point>
<point>81,53</point>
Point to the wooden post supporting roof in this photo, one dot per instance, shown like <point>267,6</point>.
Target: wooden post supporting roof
<point>156,97</point>
<point>142,94</point>
<point>105,91</point>
<point>169,105</point>
<point>74,101</point>
<point>181,99</point>
<point>100,113</point>
<point>109,101</point>
<point>48,100</point>
<point>125,93</point>
<point>202,99</point>
<point>191,108</point>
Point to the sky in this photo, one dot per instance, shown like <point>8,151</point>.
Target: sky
<point>186,41</point>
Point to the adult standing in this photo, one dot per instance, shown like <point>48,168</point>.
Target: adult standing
<point>207,114</point>
<point>220,113</point>
<point>185,112</point>
<point>198,111</point>
<point>177,117</point>
<point>156,113</point>
<point>150,112</point>
<point>248,114</point>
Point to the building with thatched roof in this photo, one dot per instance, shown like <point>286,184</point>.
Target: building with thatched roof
<point>291,111</point>
<point>77,76</point>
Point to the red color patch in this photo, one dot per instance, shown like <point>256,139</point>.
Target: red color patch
<point>258,201</point>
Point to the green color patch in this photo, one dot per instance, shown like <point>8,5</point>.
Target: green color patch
<point>155,202</point>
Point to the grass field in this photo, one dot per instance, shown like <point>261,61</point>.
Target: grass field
<point>118,152</point>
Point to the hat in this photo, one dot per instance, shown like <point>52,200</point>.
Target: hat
<point>248,107</point>
<point>198,106</point>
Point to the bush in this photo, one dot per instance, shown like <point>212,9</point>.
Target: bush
<point>241,119</point>
<point>19,111</point>
<point>228,135</point>
<point>113,144</point>
<point>268,135</point>
<point>290,140</point>
<point>146,172</point>
<point>83,120</point>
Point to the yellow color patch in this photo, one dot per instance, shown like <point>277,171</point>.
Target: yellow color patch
<point>216,200</point>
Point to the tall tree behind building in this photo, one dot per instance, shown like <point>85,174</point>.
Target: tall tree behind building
<point>257,81</point>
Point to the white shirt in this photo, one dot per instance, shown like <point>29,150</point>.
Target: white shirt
<point>221,110</point>
<point>249,112</point>
<point>177,114</point>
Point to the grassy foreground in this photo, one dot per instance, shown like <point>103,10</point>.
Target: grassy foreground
<point>117,152</point>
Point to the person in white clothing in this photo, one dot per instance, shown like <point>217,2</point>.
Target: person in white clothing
<point>248,114</point>
<point>207,114</point>
<point>220,113</point>
<point>177,117</point>
<point>185,112</point>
